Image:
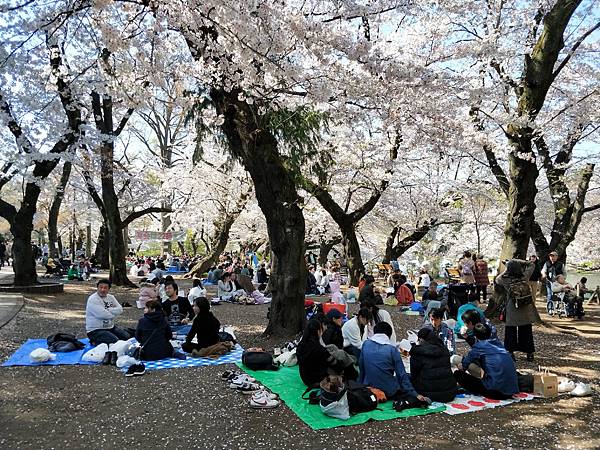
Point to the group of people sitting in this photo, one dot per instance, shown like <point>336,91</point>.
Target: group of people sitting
<point>161,323</point>
<point>368,342</point>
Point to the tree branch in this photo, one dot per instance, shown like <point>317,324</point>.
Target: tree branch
<point>571,52</point>
<point>137,214</point>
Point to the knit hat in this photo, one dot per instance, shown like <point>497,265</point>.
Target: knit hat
<point>334,314</point>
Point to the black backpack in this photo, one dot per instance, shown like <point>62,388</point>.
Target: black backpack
<point>63,342</point>
<point>257,360</point>
<point>360,398</point>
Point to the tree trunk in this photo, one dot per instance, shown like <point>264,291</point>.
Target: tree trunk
<point>352,253</point>
<point>55,210</point>
<point>23,257</point>
<point>219,242</point>
<point>165,221</point>
<point>394,250</point>
<point>275,188</point>
<point>103,249</point>
<point>523,173</point>
<point>325,247</point>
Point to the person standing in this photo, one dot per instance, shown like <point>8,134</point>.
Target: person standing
<point>466,266</point>
<point>552,269</point>
<point>534,279</point>
<point>481,278</point>
<point>520,307</point>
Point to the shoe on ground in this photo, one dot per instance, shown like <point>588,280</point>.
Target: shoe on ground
<point>566,386</point>
<point>229,375</point>
<point>114,356</point>
<point>106,359</point>
<point>263,403</point>
<point>263,393</point>
<point>136,370</point>
<point>240,379</point>
<point>249,388</point>
<point>581,390</point>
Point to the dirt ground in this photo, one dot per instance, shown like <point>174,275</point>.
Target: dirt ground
<point>96,407</point>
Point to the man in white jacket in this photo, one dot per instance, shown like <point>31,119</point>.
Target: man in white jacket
<point>354,332</point>
<point>100,312</point>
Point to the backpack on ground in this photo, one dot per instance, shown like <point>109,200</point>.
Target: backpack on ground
<point>63,342</point>
<point>258,360</point>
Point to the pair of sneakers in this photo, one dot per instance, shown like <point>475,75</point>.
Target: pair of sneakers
<point>263,399</point>
<point>575,389</point>
<point>136,370</point>
<point>244,384</point>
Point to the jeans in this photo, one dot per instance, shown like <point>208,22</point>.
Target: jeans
<point>475,386</point>
<point>108,336</point>
<point>549,305</point>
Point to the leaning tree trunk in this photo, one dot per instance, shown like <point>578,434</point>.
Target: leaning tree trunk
<point>393,249</point>
<point>278,199</point>
<point>219,242</point>
<point>53,245</point>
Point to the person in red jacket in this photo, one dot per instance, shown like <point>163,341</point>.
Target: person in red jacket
<point>403,294</point>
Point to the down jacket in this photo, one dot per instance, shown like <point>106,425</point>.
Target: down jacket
<point>430,372</point>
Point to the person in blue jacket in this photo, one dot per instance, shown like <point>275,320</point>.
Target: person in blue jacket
<point>499,380</point>
<point>381,366</point>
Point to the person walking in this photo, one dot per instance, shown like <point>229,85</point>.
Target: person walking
<point>520,307</point>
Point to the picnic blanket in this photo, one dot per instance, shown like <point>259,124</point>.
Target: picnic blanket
<point>287,384</point>
<point>466,403</point>
<point>233,356</point>
<point>21,356</point>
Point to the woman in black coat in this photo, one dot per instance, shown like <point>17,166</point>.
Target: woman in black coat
<point>430,370</point>
<point>154,333</point>
<point>205,327</point>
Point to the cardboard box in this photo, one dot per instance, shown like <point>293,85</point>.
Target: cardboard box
<point>545,384</point>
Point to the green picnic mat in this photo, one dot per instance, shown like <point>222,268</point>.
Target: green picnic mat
<point>287,384</point>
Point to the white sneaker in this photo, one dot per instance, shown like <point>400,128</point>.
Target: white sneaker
<point>249,388</point>
<point>581,390</point>
<point>240,380</point>
<point>566,386</point>
<point>263,393</point>
<point>263,403</point>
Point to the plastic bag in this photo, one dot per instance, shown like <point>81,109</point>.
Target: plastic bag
<point>41,355</point>
<point>338,409</point>
<point>96,354</point>
<point>120,347</point>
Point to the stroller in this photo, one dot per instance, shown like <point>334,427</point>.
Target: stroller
<point>458,295</point>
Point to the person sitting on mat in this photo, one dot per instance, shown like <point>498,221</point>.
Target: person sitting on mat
<point>378,315</point>
<point>498,378</point>
<point>471,318</point>
<point>177,309</point>
<point>381,366</point>
<point>354,332</point>
<point>442,330</point>
<point>430,370</point>
<point>333,333</point>
<point>315,362</point>
<point>154,333</point>
<point>205,328</point>
<point>100,312</point>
